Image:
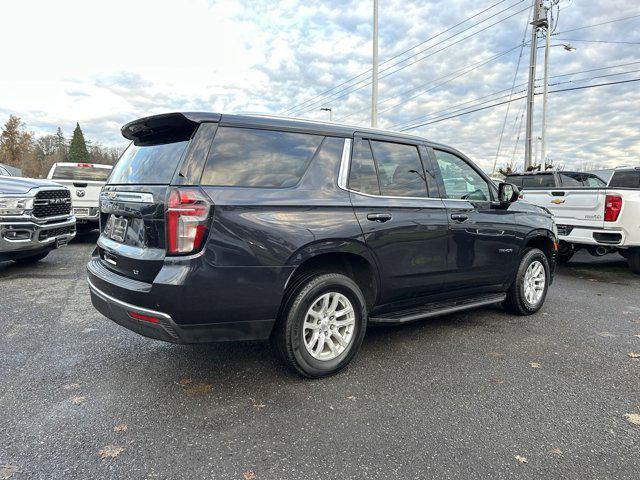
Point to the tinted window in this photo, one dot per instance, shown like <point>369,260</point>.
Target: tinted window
<point>626,179</point>
<point>243,157</point>
<point>539,181</point>
<point>64,172</point>
<point>362,176</point>
<point>148,164</point>
<point>591,180</point>
<point>400,171</point>
<point>460,179</point>
<point>515,179</point>
<point>571,179</point>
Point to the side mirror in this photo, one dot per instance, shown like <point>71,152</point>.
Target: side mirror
<point>507,192</point>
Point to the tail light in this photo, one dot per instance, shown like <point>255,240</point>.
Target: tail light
<point>612,207</point>
<point>187,215</point>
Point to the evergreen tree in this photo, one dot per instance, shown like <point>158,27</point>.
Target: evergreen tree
<point>78,152</point>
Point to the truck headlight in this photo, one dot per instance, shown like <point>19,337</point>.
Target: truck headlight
<point>15,205</point>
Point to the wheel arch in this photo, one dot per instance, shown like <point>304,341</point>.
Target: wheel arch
<point>544,240</point>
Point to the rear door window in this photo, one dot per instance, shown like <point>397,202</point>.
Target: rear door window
<point>148,165</point>
<point>362,176</point>
<point>515,179</point>
<point>245,157</point>
<point>625,179</point>
<point>400,171</point>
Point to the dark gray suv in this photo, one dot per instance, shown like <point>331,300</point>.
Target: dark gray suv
<point>239,227</point>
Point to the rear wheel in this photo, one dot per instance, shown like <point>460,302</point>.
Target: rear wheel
<point>529,289</point>
<point>322,325</point>
<point>32,259</point>
<point>565,252</point>
<point>633,259</point>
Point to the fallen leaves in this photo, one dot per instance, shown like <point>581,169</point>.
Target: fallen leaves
<point>496,381</point>
<point>110,451</point>
<point>634,354</point>
<point>351,397</point>
<point>198,389</point>
<point>633,418</point>
<point>121,427</point>
<point>7,471</point>
<point>256,404</point>
<point>249,475</point>
<point>556,451</point>
<point>534,365</point>
<point>521,459</point>
<point>638,335</point>
<point>495,354</point>
<point>78,399</point>
<point>184,382</point>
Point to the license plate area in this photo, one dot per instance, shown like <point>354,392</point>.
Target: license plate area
<point>81,212</point>
<point>116,228</point>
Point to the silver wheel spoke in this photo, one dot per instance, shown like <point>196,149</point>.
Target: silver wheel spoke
<point>329,326</point>
<point>534,282</point>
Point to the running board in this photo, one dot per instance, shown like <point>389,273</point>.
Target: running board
<point>438,308</point>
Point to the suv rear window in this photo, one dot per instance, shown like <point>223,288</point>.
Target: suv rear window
<point>245,157</point>
<point>88,173</point>
<point>545,180</point>
<point>148,165</point>
<point>625,179</point>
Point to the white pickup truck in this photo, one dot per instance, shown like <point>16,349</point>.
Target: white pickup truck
<point>602,218</point>
<point>85,181</point>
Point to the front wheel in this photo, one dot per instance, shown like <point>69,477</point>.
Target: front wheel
<point>322,325</point>
<point>529,289</point>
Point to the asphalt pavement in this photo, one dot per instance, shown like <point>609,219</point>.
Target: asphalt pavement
<point>480,394</point>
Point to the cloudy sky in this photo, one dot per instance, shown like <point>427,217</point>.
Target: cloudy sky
<point>105,63</point>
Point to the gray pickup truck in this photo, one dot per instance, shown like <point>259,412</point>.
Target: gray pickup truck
<point>35,218</point>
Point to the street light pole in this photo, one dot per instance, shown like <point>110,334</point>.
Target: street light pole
<point>374,79</point>
<point>328,109</point>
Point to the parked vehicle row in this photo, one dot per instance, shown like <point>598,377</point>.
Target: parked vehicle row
<point>240,227</point>
<point>601,218</point>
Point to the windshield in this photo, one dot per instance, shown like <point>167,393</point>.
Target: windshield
<point>148,165</point>
<point>79,172</point>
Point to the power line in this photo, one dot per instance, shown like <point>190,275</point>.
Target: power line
<point>466,69</point>
<point>448,109</point>
<point>515,99</point>
<point>597,24</point>
<point>328,99</point>
<point>398,55</point>
<point>513,86</point>
<point>598,41</point>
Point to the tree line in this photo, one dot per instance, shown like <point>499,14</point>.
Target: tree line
<point>35,155</point>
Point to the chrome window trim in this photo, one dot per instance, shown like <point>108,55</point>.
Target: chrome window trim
<point>344,174</point>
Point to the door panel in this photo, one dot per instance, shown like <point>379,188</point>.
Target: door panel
<point>410,246</point>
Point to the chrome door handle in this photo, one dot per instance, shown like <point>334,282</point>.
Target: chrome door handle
<point>379,217</point>
<point>460,217</point>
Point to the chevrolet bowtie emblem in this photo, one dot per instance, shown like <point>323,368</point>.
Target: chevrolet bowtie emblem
<point>558,201</point>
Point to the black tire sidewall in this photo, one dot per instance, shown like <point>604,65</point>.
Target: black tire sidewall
<point>529,257</point>
<point>302,301</point>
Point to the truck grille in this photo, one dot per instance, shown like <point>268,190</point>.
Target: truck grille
<point>55,232</point>
<point>52,203</point>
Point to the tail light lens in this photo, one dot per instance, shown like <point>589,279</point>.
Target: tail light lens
<point>612,207</point>
<point>187,221</point>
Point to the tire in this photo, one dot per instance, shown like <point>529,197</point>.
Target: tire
<point>517,300</point>
<point>633,259</point>
<point>293,339</point>
<point>565,253</point>
<point>31,259</point>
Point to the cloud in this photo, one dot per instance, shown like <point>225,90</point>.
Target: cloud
<point>103,64</point>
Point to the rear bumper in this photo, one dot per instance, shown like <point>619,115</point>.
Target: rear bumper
<point>595,236</point>
<point>188,310</point>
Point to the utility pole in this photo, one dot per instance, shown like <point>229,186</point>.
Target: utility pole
<point>536,24</point>
<point>543,152</point>
<point>374,80</point>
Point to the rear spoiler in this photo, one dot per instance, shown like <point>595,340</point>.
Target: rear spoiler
<point>165,128</point>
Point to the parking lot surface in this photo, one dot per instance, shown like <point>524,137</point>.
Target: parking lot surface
<point>474,395</point>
